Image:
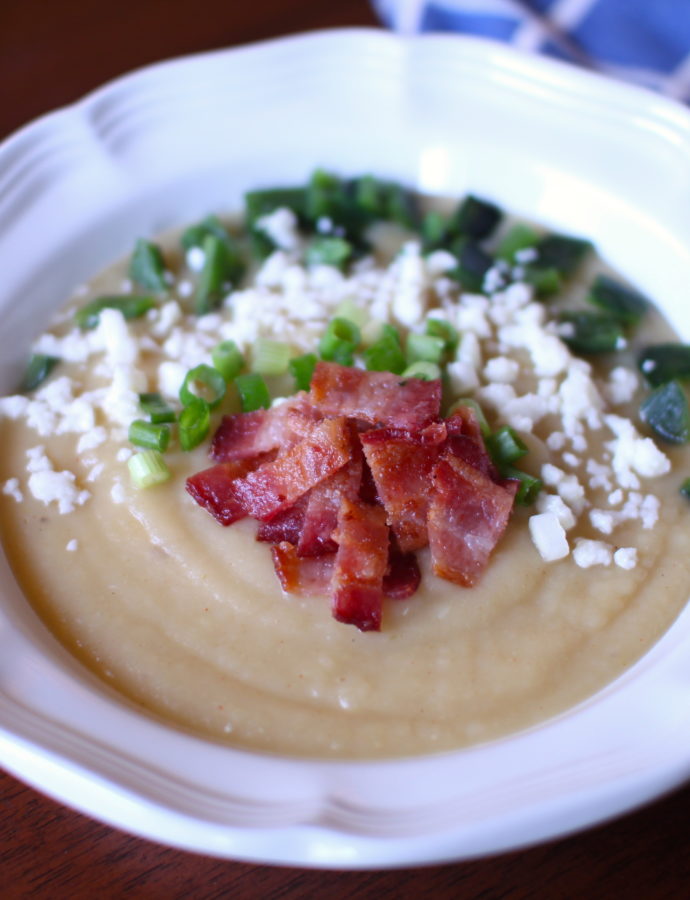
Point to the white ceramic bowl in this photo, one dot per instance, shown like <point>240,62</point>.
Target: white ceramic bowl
<point>175,141</point>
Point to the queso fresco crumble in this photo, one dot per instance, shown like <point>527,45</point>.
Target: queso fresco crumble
<point>522,326</point>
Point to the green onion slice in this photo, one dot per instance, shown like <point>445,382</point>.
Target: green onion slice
<point>132,306</point>
<point>591,332</point>
<point>328,251</point>
<point>666,412</point>
<point>505,447</point>
<point>253,392</point>
<point>519,237</point>
<point>147,469</point>
<point>38,369</point>
<point>302,368</point>
<point>339,341</point>
<point>270,357</point>
<point>424,347</point>
<point>385,354</point>
<point>477,218</point>
<point>621,302</point>
<point>147,266</point>
<point>150,435</point>
<point>562,252</point>
<point>193,423</point>
<point>442,328</point>
<point>685,488</point>
<point>208,383</point>
<point>664,362</point>
<point>528,488</point>
<point>222,267</point>
<point>194,235</point>
<point>427,371</point>
<point>227,358</point>
<point>156,408</point>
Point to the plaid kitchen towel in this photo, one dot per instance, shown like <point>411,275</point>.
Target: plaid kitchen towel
<point>644,41</point>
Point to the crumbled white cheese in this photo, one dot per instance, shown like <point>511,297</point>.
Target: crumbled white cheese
<point>589,553</point>
<point>117,492</point>
<point>632,454</point>
<point>49,486</point>
<point>548,536</point>
<point>501,369</point>
<point>281,227</point>
<point>621,386</point>
<point>439,262</point>
<point>12,489</point>
<point>72,545</point>
<point>554,504</point>
<point>195,259</point>
<point>625,557</point>
<point>91,439</point>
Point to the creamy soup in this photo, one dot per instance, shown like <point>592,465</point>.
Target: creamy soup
<point>187,618</point>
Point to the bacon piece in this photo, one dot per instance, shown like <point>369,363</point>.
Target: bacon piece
<point>323,505</point>
<point>360,564</point>
<point>403,576</point>
<point>286,526</point>
<point>248,434</point>
<point>275,486</point>
<point>376,397</point>
<point>307,577</point>
<point>214,489</point>
<point>465,441</point>
<point>468,513</point>
<point>401,464</point>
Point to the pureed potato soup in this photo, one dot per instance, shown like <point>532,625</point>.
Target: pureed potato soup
<point>445,493</point>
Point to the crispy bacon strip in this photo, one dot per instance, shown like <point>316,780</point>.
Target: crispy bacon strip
<point>468,513</point>
<point>466,442</point>
<point>401,464</point>
<point>248,434</point>
<point>286,526</point>
<point>376,397</point>
<point>360,564</point>
<point>214,489</point>
<point>307,577</point>
<point>403,576</point>
<point>323,504</point>
<point>276,486</point>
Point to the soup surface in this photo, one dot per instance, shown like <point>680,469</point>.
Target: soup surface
<point>187,618</point>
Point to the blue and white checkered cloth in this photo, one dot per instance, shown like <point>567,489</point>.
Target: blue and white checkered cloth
<point>643,41</point>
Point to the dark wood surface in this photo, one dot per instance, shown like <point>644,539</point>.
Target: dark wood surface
<point>51,53</point>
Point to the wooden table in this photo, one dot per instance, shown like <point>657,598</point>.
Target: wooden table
<point>50,54</point>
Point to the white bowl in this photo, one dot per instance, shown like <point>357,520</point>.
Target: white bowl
<point>175,141</point>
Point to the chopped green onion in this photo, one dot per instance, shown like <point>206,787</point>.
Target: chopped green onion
<point>666,412</point>
<point>227,359</point>
<point>385,354</point>
<point>478,411</point>
<point>424,347</point>
<point>519,237</point>
<point>328,251</point>
<point>195,234</point>
<point>374,331</point>
<point>261,203</point>
<point>473,264</point>
<point>562,252</point>
<point>208,383</point>
<point>591,332</point>
<point>545,281</point>
<point>325,197</point>
<point>38,369</point>
<point>663,362</point>
<point>442,328</point>
<point>156,408</point>
<point>427,371</point>
<point>339,341</point>
<point>149,435</point>
<point>385,200</point>
<point>147,266</point>
<point>132,306</point>
<point>434,230</point>
<point>348,309</point>
<point>193,423</point>
<point>222,267</point>
<point>270,357</point>
<point>528,488</point>
<point>505,446</point>
<point>685,488</point>
<point>302,368</point>
<point>476,218</point>
<point>621,302</point>
<point>253,392</point>
<point>147,469</point>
